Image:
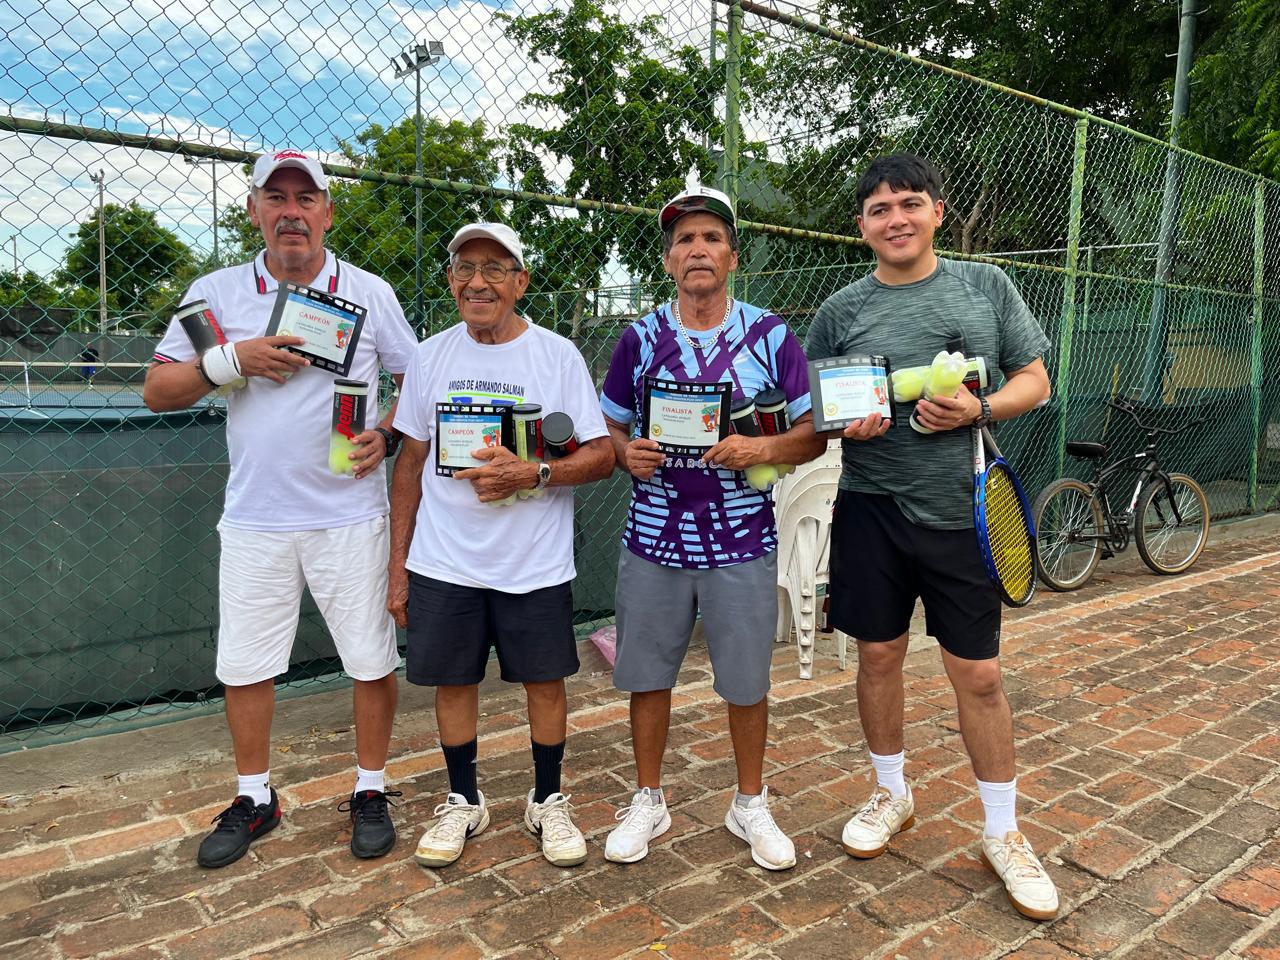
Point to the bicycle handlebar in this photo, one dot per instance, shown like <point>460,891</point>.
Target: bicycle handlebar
<point>1125,408</point>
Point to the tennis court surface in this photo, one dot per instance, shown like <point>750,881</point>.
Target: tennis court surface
<point>1146,711</point>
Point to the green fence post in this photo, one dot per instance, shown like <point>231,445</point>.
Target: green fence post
<point>1063,387</point>
<point>1255,347</point>
<point>732,94</point>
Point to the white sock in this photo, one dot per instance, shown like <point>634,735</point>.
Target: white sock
<point>998,802</point>
<point>889,772</point>
<point>256,786</point>
<point>370,779</point>
<point>653,795</point>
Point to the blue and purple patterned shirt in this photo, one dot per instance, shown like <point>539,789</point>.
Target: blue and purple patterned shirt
<point>688,515</point>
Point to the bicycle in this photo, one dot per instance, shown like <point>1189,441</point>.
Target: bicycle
<point>1167,514</point>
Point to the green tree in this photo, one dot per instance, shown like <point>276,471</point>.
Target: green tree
<point>1235,89</point>
<point>141,256</point>
<point>373,223</point>
<point>626,113</point>
<point>26,289</point>
<point>1006,162</point>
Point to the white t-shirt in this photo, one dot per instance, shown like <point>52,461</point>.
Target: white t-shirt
<point>278,434</point>
<point>518,548</point>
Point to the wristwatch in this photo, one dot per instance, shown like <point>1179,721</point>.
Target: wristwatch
<point>984,418</point>
<point>392,440</point>
<point>544,475</point>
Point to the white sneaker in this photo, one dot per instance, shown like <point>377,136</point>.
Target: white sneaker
<point>770,847</point>
<point>1030,889</point>
<point>455,821</point>
<point>562,842</point>
<point>645,819</point>
<point>867,834</point>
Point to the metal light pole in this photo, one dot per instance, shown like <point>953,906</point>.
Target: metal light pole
<point>100,179</point>
<point>213,162</point>
<point>14,238</point>
<point>1153,364</point>
<point>417,56</point>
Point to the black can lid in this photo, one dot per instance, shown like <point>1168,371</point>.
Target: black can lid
<point>770,399</point>
<point>351,383</point>
<point>742,408</point>
<point>557,428</point>
<point>527,409</point>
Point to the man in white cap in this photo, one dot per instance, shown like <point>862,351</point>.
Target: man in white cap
<point>289,521</point>
<point>698,536</point>
<point>469,574</point>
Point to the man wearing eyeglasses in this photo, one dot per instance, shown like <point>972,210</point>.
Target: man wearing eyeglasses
<point>472,569</point>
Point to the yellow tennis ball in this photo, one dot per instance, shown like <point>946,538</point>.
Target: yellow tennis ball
<point>762,476</point>
<point>908,383</point>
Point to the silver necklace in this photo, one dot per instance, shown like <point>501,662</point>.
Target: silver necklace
<point>701,344</point>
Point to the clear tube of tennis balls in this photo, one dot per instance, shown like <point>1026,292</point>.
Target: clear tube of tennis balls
<point>527,418</point>
<point>908,383</point>
<point>350,401</point>
<point>946,374</point>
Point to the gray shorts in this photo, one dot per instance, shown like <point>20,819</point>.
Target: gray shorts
<point>656,608</point>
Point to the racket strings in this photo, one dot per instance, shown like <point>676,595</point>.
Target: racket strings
<point>1008,534</point>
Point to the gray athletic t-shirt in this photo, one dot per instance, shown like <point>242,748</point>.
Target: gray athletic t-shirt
<point>929,476</point>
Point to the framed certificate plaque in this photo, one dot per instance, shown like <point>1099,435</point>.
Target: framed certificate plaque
<point>464,427</point>
<point>686,419</point>
<point>330,325</point>
<point>845,389</point>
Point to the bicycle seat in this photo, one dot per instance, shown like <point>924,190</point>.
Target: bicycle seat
<point>1083,448</point>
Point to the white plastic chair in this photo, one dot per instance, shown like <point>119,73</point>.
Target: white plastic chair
<point>802,505</point>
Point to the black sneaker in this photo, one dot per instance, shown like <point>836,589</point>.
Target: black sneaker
<point>372,832</point>
<point>238,826</point>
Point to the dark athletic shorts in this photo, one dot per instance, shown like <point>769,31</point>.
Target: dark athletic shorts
<point>881,562</point>
<point>453,628</point>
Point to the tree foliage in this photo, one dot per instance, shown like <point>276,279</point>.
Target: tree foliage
<point>142,257</point>
<point>1235,89</point>
<point>628,113</point>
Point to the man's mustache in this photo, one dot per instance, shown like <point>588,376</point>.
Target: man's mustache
<point>293,226</point>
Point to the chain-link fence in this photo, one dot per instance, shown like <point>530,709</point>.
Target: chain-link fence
<point>123,152</point>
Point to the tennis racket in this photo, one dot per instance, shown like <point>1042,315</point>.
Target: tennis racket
<point>1002,518</point>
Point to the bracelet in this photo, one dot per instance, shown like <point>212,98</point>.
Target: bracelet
<point>221,365</point>
<point>200,370</point>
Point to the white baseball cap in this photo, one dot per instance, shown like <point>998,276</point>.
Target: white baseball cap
<point>696,198</point>
<point>269,163</point>
<point>500,233</point>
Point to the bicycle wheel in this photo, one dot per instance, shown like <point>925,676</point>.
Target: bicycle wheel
<point>1069,532</point>
<point>1169,541</point>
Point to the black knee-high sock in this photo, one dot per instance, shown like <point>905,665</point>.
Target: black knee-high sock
<point>546,769</point>
<point>461,761</point>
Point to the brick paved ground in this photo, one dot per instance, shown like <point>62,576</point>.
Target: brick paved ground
<point>1146,713</point>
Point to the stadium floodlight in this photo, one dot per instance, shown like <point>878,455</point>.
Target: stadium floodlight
<point>416,57</point>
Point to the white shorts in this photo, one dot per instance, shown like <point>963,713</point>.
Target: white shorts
<point>261,576</point>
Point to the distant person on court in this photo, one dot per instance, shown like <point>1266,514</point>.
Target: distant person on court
<point>698,536</point>
<point>903,523</point>
<point>471,571</point>
<point>288,521</point>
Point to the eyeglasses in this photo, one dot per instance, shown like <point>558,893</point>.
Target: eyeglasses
<point>464,270</point>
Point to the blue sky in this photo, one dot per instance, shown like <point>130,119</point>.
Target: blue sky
<point>253,74</point>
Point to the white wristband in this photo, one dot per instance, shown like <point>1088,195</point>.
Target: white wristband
<point>221,365</point>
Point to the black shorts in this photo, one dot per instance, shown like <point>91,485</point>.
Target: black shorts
<point>881,562</point>
<point>453,628</point>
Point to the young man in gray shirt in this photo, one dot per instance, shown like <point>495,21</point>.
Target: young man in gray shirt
<point>903,522</point>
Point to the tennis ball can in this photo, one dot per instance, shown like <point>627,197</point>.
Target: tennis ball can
<point>350,404</point>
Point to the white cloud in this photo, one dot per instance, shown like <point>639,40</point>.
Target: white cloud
<point>197,69</point>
